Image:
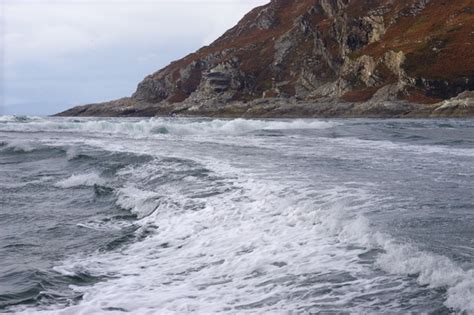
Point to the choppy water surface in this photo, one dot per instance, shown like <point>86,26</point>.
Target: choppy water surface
<point>236,216</point>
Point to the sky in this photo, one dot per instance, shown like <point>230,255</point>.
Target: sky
<point>55,54</point>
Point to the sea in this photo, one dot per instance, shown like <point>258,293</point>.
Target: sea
<point>236,216</point>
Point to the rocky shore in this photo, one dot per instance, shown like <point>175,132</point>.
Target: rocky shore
<point>458,107</point>
<point>321,58</point>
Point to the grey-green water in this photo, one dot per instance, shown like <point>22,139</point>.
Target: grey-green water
<point>235,216</point>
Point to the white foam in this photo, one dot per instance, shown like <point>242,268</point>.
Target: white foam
<point>433,270</point>
<point>24,146</point>
<point>77,180</point>
<point>368,145</point>
<point>232,252</point>
<point>17,118</point>
<point>430,269</point>
<point>139,202</point>
<point>460,296</point>
<point>163,126</point>
<point>238,126</point>
<point>72,153</point>
<point>213,256</point>
<point>7,118</point>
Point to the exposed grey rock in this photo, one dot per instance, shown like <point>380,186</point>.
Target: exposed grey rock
<point>331,91</point>
<point>284,45</point>
<point>376,27</point>
<point>361,71</point>
<point>464,100</point>
<point>333,8</point>
<point>266,19</point>
<point>153,90</point>
<point>416,8</point>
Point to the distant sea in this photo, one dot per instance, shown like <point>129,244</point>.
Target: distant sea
<point>159,216</point>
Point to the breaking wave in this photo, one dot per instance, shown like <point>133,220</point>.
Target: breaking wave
<point>18,118</point>
<point>431,270</point>
<point>88,179</point>
<point>139,202</point>
<point>163,126</point>
<point>21,146</point>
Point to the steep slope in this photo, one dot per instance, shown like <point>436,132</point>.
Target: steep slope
<point>320,52</point>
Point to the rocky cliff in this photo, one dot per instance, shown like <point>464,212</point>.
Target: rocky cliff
<point>321,58</point>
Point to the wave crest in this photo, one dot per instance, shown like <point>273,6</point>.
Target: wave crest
<point>21,146</point>
<point>88,179</point>
<point>163,126</point>
<point>139,202</point>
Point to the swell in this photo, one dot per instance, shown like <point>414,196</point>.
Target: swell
<point>42,288</point>
<point>74,187</point>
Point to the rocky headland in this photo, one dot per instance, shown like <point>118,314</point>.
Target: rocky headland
<point>321,58</point>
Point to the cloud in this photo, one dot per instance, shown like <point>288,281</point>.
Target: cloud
<point>47,29</point>
<point>67,52</point>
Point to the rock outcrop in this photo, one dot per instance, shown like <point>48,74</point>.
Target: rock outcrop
<point>360,57</point>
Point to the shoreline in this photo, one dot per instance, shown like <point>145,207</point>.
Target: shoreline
<point>459,107</point>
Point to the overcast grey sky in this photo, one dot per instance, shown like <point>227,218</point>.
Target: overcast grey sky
<point>58,53</point>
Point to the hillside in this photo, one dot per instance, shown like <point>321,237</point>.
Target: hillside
<point>321,58</point>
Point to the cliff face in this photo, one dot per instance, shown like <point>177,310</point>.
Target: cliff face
<point>352,51</point>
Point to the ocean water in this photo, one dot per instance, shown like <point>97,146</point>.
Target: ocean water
<point>173,216</point>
